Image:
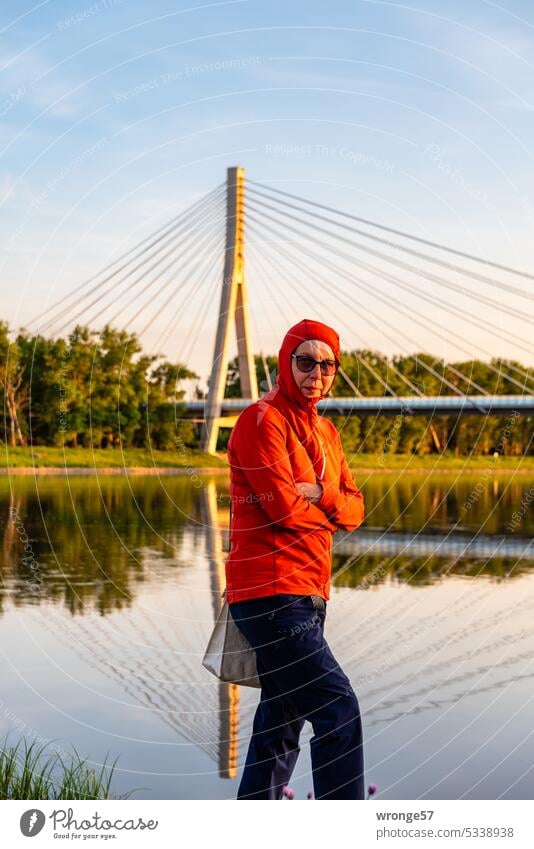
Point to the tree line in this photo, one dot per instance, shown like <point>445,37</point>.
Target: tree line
<point>99,389</point>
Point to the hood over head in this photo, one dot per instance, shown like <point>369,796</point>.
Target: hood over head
<point>305,330</point>
<point>299,411</point>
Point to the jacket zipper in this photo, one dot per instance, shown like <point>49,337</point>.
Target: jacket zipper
<point>321,476</point>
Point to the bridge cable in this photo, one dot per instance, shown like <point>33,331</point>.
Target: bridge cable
<point>336,291</point>
<point>358,356</point>
<point>190,226</point>
<point>285,319</point>
<point>442,378</point>
<point>185,235</point>
<point>527,275</point>
<point>124,279</point>
<point>316,241</point>
<point>354,280</point>
<point>211,258</point>
<point>397,281</point>
<point>272,285</point>
<point>177,314</point>
<point>399,373</point>
<point>375,374</point>
<point>400,264</point>
<point>210,196</point>
<point>206,243</point>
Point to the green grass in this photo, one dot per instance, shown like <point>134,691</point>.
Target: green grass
<point>45,457</point>
<point>25,774</point>
<point>441,463</point>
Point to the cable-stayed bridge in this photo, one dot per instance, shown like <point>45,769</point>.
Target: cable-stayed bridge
<point>310,259</point>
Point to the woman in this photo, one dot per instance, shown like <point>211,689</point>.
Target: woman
<point>291,489</point>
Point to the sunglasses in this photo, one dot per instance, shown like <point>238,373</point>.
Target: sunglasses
<point>307,364</point>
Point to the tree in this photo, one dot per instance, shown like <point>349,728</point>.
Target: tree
<point>165,424</point>
<point>14,384</point>
<point>264,365</point>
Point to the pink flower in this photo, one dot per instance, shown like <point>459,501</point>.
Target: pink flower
<point>372,790</point>
<point>288,793</point>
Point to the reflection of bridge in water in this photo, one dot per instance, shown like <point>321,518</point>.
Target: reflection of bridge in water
<point>446,545</point>
<point>153,653</point>
<point>452,544</point>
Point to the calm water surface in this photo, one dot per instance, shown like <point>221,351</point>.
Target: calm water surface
<point>109,588</point>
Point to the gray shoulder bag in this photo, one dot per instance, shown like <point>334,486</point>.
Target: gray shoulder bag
<point>229,656</point>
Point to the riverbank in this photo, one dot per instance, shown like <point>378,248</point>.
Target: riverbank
<point>43,460</point>
<point>442,463</point>
<point>84,461</point>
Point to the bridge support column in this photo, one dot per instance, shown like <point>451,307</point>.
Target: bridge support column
<point>233,308</point>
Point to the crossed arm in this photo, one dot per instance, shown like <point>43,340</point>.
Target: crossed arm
<point>262,456</point>
<point>345,507</point>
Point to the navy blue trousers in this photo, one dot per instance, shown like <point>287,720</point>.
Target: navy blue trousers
<point>301,680</point>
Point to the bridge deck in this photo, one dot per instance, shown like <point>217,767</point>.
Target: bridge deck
<point>407,405</point>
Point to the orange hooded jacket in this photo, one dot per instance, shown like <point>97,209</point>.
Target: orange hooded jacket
<point>279,541</point>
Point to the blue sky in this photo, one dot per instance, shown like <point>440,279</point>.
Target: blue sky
<point>115,116</point>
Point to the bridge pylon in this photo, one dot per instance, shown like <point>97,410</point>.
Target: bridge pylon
<point>233,308</point>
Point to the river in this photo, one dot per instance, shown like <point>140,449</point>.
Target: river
<point>109,590</point>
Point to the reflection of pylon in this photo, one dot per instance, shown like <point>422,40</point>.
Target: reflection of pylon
<point>233,306</point>
<point>228,693</point>
<point>233,729</point>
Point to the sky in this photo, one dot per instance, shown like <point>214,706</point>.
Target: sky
<point>116,115</point>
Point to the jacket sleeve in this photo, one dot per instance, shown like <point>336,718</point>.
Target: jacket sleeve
<point>259,448</point>
<point>344,506</point>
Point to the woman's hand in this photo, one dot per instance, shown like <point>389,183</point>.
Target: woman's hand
<point>311,491</point>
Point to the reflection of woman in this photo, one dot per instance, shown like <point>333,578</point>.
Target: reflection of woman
<point>291,489</point>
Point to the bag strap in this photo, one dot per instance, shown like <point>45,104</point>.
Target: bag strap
<point>223,594</point>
